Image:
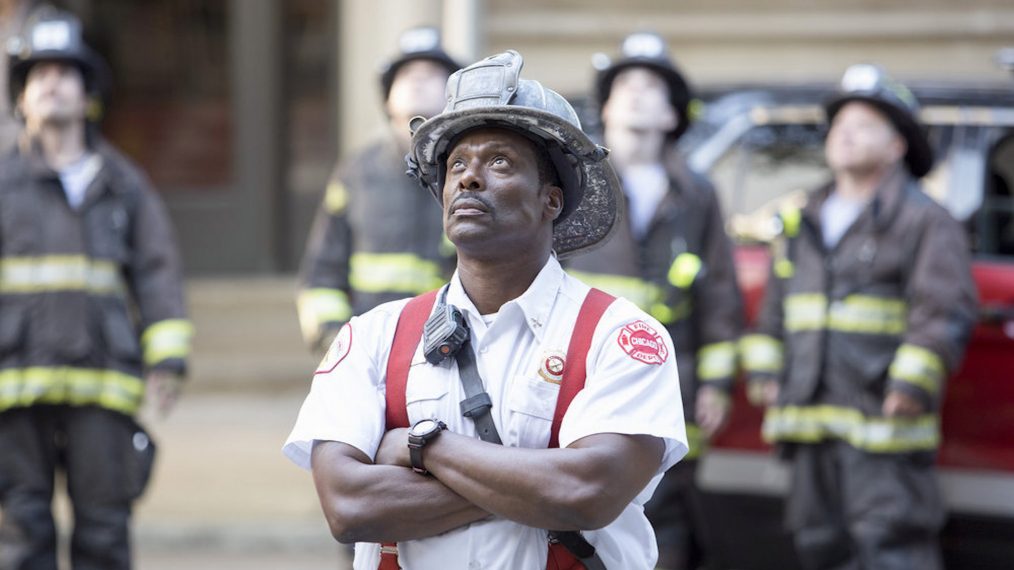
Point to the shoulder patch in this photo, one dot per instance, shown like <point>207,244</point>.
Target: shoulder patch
<point>337,352</point>
<point>641,342</point>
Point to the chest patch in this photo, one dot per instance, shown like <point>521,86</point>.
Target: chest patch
<point>338,351</point>
<point>640,341</point>
<point>551,366</point>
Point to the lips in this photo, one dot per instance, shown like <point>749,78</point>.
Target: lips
<point>469,207</point>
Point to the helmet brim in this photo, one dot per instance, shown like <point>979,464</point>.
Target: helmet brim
<point>592,199</point>
<point>679,89</point>
<point>391,69</point>
<point>919,156</point>
<point>93,69</point>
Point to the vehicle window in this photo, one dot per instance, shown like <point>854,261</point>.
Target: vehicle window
<point>768,163</point>
<point>994,224</point>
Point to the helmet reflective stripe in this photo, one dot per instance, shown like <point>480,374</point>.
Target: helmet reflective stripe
<point>52,35</point>
<point>644,45</point>
<point>861,77</point>
<point>419,40</point>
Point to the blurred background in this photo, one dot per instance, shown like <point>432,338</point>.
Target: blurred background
<point>238,110</point>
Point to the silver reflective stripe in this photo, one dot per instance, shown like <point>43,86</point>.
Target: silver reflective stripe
<point>40,274</point>
<point>393,272</point>
<point>811,424</point>
<point>864,314</point>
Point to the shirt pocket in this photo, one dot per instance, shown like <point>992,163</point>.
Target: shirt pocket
<point>425,398</point>
<point>532,403</point>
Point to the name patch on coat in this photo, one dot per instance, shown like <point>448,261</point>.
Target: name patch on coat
<point>338,351</point>
<point>641,342</point>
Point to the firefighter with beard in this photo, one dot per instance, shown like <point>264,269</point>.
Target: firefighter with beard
<point>868,309</point>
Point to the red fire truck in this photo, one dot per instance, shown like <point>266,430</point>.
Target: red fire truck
<point>762,146</point>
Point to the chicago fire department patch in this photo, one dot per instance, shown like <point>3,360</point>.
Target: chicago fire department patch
<point>641,342</point>
<point>338,351</point>
<point>551,368</point>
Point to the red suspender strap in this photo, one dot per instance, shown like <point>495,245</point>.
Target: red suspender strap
<point>407,335</point>
<point>574,373</point>
<point>575,370</point>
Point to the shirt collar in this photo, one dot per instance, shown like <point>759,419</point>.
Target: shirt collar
<point>535,303</point>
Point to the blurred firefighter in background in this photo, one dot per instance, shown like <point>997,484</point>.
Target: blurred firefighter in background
<point>377,237</point>
<point>91,310</point>
<point>672,258</point>
<point>868,309</point>
<point>12,16</point>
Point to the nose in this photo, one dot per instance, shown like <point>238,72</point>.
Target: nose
<point>470,179</point>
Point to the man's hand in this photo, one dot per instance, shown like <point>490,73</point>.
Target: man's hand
<point>712,410</point>
<point>162,391</point>
<point>762,392</point>
<point>393,449</point>
<point>900,404</point>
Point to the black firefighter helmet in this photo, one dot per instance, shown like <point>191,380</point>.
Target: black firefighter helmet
<point>422,42</point>
<point>492,93</point>
<point>646,49</point>
<point>51,34</point>
<point>870,84</point>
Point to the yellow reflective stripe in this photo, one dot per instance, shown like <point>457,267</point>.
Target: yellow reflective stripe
<point>805,311</point>
<point>684,270</point>
<point>791,218</point>
<point>668,315</point>
<point>784,268</point>
<point>716,361</point>
<point>762,353</point>
<point>642,293</point>
<point>447,247</point>
<point>695,441</point>
<point>336,197</point>
<point>919,366</point>
<point>855,314</point>
<point>67,385</point>
<point>46,273</point>
<point>166,339</point>
<point>867,314</point>
<point>812,424</point>
<point>319,306</point>
<point>393,272</point>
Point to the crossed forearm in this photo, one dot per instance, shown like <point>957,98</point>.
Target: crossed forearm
<point>579,488</point>
<point>364,502</point>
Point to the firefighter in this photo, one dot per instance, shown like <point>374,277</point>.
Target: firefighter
<point>671,257</point>
<point>867,310</point>
<point>91,310</point>
<point>376,238</point>
<point>12,16</point>
<point>472,483</point>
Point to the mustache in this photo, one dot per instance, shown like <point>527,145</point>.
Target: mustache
<point>472,197</point>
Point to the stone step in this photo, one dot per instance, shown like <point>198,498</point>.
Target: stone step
<point>246,333</point>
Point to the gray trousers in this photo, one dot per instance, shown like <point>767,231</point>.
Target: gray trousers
<point>849,509</point>
<point>105,472</point>
<point>676,513</point>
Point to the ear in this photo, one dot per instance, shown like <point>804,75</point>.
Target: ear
<point>553,201</point>
<point>899,147</point>
<point>669,119</point>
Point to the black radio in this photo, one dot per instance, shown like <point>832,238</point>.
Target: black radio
<point>445,332</point>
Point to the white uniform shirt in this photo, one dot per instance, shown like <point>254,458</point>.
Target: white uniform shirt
<point>632,387</point>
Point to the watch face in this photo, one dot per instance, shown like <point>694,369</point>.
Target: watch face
<point>424,427</point>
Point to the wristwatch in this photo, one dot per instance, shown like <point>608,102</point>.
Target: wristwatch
<point>423,432</point>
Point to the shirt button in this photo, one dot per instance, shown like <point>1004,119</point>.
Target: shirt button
<point>484,350</point>
<point>473,565</point>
